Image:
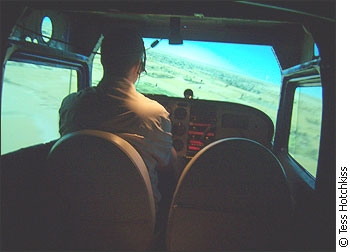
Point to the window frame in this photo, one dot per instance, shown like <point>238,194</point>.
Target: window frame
<point>304,75</point>
<point>22,51</point>
<point>25,52</point>
<point>294,159</point>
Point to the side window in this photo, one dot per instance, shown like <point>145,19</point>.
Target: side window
<point>31,97</point>
<point>97,69</point>
<point>304,138</point>
<point>316,51</point>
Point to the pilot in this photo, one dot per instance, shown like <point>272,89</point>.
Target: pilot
<point>115,105</point>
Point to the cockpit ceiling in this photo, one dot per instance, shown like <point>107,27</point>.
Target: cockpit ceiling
<point>233,22</point>
<point>277,10</point>
<point>199,27</point>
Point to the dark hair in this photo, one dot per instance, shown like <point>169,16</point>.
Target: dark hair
<point>120,50</point>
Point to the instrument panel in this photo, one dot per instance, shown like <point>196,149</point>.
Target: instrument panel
<point>197,123</point>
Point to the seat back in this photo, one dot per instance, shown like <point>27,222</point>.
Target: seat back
<point>233,195</point>
<point>104,199</point>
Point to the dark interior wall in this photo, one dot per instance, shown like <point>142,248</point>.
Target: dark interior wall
<point>325,35</point>
<point>10,12</point>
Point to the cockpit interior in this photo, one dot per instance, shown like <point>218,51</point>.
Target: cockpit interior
<point>250,91</point>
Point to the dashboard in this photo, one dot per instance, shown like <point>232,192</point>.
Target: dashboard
<point>197,123</point>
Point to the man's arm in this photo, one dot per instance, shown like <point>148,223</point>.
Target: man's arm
<point>172,162</point>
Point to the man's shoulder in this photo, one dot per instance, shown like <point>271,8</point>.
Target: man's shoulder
<point>86,92</point>
<point>152,106</point>
<point>81,96</point>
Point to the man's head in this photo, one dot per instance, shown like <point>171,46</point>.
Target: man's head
<point>122,51</point>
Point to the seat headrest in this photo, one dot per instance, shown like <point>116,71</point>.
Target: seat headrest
<point>104,194</point>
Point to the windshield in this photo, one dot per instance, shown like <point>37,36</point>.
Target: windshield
<point>246,74</point>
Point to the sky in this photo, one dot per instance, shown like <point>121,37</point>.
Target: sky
<point>258,61</point>
<point>252,60</point>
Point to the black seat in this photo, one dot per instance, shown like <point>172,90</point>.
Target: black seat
<point>233,195</point>
<point>104,199</point>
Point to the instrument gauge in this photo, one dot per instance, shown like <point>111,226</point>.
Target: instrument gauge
<point>180,113</point>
